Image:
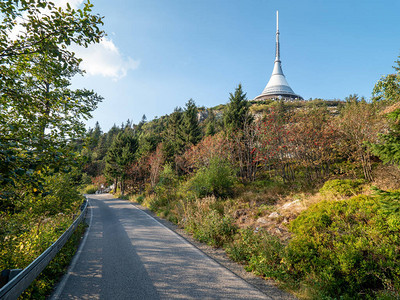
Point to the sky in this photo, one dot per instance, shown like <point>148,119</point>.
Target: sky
<point>158,54</point>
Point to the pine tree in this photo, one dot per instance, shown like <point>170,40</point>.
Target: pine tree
<point>211,123</point>
<point>237,114</point>
<point>191,132</point>
<point>174,141</point>
<point>120,155</point>
<point>95,136</point>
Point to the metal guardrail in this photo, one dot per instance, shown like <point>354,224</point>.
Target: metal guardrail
<point>14,288</point>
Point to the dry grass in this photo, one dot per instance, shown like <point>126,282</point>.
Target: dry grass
<point>387,177</point>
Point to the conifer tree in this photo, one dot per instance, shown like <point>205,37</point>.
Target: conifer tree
<point>174,141</point>
<point>237,114</point>
<point>191,132</point>
<point>95,136</point>
<point>120,155</point>
<point>211,123</point>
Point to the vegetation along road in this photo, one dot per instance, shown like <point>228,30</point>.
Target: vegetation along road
<point>130,255</point>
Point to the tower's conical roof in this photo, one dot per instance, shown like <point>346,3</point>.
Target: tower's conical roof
<point>277,86</point>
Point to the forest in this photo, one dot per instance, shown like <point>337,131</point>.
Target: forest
<point>306,192</point>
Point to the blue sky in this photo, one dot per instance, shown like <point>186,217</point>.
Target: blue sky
<point>160,53</point>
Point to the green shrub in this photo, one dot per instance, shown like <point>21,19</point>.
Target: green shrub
<point>206,220</point>
<point>345,248</point>
<point>166,187</point>
<point>216,179</point>
<point>261,252</point>
<point>215,230</point>
<point>140,199</point>
<point>90,189</point>
<point>342,187</point>
<point>42,286</point>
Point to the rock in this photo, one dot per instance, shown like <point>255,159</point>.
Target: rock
<point>262,220</point>
<point>274,215</point>
<point>287,205</point>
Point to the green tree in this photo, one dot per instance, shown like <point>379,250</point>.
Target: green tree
<point>120,155</point>
<point>210,123</point>
<point>39,114</point>
<point>387,88</point>
<point>174,141</point>
<point>94,136</point>
<point>237,114</point>
<point>388,148</point>
<point>191,132</point>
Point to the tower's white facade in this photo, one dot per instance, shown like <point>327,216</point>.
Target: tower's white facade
<point>277,86</point>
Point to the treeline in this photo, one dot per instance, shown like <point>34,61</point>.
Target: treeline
<point>301,144</point>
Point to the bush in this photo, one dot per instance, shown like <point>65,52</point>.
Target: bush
<point>208,223</point>
<point>342,187</point>
<point>42,286</point>
<point>166,187</point>
<point>90,189</point>
<point>261,252</point>
<point>217,179</point>
<point>215,230</point>
<point>347,248</point>
<point>140,199</point>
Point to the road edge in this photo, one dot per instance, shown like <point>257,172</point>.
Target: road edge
<point>55,295</point>
<point>267,287</point>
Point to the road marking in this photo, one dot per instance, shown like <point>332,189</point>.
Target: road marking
<point>61,286</point>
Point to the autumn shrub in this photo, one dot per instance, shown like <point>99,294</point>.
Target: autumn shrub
<point>345,248</point>
<point>259,251</point>
<point>217,179</point>
<point>342,187</point>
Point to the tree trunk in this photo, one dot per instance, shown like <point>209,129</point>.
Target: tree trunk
<point>115,185</point>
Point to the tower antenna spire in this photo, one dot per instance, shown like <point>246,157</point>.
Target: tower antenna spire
<point>277,56</point>
<point>278,87</point>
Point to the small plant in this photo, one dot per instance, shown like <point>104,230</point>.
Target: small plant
<point>90,189</point>
<point>140,199</point>
<point>260,251</point>
<point>340,188</point>
<point>347,248</point>
<point>215,230</point>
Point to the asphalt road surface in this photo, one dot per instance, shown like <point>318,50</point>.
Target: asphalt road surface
<point>127,254</point>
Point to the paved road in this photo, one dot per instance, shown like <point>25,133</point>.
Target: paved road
<point>127,254</point>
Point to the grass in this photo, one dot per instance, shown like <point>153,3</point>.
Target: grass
<point>43,285</point>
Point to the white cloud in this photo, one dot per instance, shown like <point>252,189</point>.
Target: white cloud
<point>105,59</point>
<point>102,59</point>
<point>63,3</point>
<point>19,29</point>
